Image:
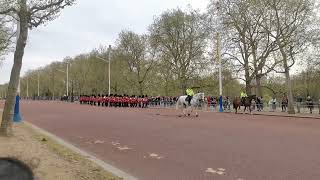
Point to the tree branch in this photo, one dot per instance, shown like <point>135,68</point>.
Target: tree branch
<point>35,9</point>
<point>7,11</point>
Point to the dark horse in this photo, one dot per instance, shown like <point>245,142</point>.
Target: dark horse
<point>246,102</point>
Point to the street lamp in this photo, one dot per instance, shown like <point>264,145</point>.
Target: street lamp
<point>67,72</point>
<point>108,61</point>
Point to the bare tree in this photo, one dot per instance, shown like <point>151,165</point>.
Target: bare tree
<point>5,38</point>
<point>251,45</point>
<point>138,54</point>
<point>29,14</point>
<point>182,40</point>
<point>292,20</point>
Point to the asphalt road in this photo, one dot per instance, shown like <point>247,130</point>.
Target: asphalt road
<point>155,144</point>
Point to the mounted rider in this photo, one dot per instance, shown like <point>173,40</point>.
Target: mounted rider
<point>243,95</point>
<point>190,94</point>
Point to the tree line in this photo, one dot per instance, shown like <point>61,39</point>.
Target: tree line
<point>259,39</point>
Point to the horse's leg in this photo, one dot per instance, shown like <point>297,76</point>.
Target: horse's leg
<point>184,111</point>
<point>236,107</point>
<point>193,109</point>
<point>179,112</point>
<point>179,108</point>
<point>190,111</point>
<point>197,115</point>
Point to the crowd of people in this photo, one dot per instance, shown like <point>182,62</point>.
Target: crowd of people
<point>300,102</point>
<point>213,102</point>
<point>145,101</point>
<point>115,100</point>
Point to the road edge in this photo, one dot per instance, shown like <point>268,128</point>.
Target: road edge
<point>104,165</point>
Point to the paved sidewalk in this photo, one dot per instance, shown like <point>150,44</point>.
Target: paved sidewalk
<point>285,114</point>
<point>304,114</point>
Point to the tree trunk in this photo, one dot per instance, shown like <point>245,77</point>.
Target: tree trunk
<point>248,87</point>
<point>288,81</point>
<point>247,77</point>
<point>258,86</point>
<point>6,123</point>
<point>289,89</point>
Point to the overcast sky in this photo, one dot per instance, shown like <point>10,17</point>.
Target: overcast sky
<point>88,24</point>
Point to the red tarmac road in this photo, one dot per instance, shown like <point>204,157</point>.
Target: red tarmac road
<point>247,147</point>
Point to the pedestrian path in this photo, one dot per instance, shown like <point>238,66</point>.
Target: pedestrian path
<point>303,114</point>
<point>300,115</point>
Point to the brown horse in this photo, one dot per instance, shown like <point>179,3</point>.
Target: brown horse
<point>236,103</point>
<point>246,102</point>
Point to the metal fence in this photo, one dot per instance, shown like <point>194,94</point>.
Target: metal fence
<point>228,107</point>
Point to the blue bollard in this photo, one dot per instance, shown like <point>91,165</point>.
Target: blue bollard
<point>221,104</point>
<point>16,115</point>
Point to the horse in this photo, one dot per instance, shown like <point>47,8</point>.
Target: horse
<point>196,101</point>
<point>245,101</point>
<point>236,104</point>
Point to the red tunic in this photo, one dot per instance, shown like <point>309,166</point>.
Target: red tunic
<point>209,100</point>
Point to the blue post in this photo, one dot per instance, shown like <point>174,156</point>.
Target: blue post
<point>16,115</point>
<point>221,104</point>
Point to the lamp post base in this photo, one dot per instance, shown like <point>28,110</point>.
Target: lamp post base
<point>221,104</point>
<point>16,115</point>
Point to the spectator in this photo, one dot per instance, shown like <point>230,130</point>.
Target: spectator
<point>284,103</point>
<point>261,103</point>
<point>228,103</point>
<point>258,103</point>
<point>253,105</point>
<point>214,103</point>
<point>299,101</point>
<point>273,104</point>
<point>209,101</point>
<point>309,103</point>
